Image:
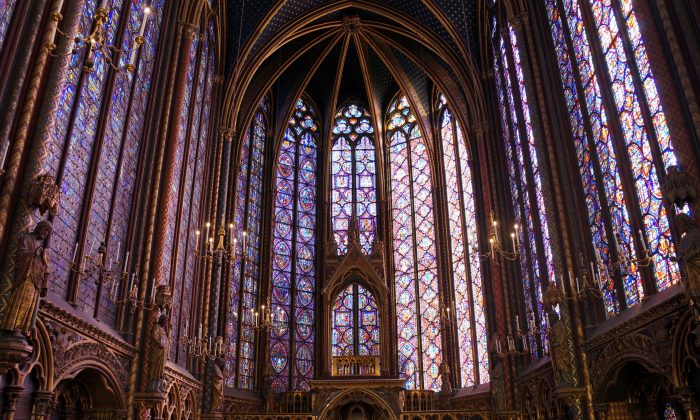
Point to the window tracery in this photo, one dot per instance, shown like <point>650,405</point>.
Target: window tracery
<point>465,259</point>
<point>353,174</point>
<point>243,302</point>
<point>292,336</point>
<point>415,259</point>
<point>621,153</point>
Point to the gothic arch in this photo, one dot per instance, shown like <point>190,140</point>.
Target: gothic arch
<point>357,395</point>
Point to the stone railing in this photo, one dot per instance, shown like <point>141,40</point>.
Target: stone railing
<point>355,366</point>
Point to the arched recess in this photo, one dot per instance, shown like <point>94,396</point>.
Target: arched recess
<point>355,269</point>
<point>351,397</point>
<point>89,388</point>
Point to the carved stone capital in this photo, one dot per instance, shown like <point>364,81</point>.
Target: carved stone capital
<point>14,349</point>
<point>12,394</point>
<point>352,23</point>
<point>218,79</point>
<point>227,133</point>
<point>678,186</point>
<point>480,128</point>
<point>44,194</point>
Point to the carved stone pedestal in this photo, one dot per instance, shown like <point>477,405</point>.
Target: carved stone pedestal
<point>14,349</point>
<point>150,401</point>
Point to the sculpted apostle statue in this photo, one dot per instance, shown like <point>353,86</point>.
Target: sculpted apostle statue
<point>157,353</point>
<point>29,280</point>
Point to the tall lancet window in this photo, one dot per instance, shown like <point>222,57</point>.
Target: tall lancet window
<point>353,177</point>
<point>240,324</point>
<point>355,324</point>
<point>415,259</point>
<point>294,251</point>
<point>94,149</point>
<point>6,9</point>
<point>525,175</point>
<point>464,243</point>
<point>621,146</point>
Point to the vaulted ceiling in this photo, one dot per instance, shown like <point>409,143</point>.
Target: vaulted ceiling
<point>353,49</point>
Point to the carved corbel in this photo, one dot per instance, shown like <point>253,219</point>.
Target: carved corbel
<point>44,194</point>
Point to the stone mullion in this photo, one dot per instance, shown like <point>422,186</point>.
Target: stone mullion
<point>151,255</point>
<point>685,137</point>
<point>43,99</point>
<point>183,215</point>
<point>571,314</point>
<point>384,178</point>
<point>595,160</point>
<point>442,237</point>
<point>19,49</point>
<point>528,183</point>
<point>648,282</point>
<point>98,142</point>
<point>12,45</point>
<point>619,142</point>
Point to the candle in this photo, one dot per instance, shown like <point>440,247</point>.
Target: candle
<point>119,245</point>
<point>114,286</point>
<point>578,289</point>
<point>498,345</point>
<point>4,156</point>
<point>104,4</point>
<point>207,232</point>
<point>495,229</point>
<point>230,229</point>
<point>200,330</point>
<point>235,242</point>
<point>593,272</point>
<point>196,235</point>
<point>126,262</point>
<point>491,244</point>
<point>211,244</point>
<point>133,281</point>
<point>92,248</point>
<point>187,325</point>
<point>75,252</point>
<point>641,239</point>
<point>153,290</point>
<point>517,323</point>
<point>512,238</point>
<point>517,235</point>
<point>511,344</point>
<point>146,13</point>
<point>245,237</point>
<point>448,313</point>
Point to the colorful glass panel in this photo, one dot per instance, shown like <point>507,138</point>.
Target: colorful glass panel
<point>243,304</point>
<point>6,9</point>
<point>417,301</point>
<point>636,132</point>
<point>466,265</point>
<point>353,173</point>
<point>293,267</point>
<point>343,336</point>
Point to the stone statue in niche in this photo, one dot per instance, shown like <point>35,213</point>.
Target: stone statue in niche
<point>689,257</point>
<point>157,353</point>
<point>29,280</point>
<point>217,386</point>
<point>445,376</point>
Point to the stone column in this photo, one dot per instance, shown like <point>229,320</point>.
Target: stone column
<point>44,126</point>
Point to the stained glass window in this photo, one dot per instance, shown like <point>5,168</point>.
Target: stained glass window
<point>466,265</point>
<point>6,9</point>
<point>355,323</point>
<point>670,412</point>
<point>294,250</point>
<point>525,177</point>
<point>415,259</point>
<point>243,303</point>
<point>79,150</point>
<point>633,127</point>
<point>353,177</point>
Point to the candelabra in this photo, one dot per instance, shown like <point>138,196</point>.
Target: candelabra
<point>97,40</point>
<point>229,254</point>
<point>496,248</point>
<point>207,348</point>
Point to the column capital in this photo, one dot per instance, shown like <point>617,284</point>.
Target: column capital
<point>227,133</point>
<point>481,128</point>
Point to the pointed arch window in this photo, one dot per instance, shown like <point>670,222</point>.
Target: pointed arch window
<point>294,251</point>
<point>7,8</point>
<point>415,259</point>
<point>355,323</point>
<point>353,177</point>
<point>97,135</point>
<point>525,178</point>
<point>464,242</point>
<point>240,324</point>
<point>621,140</point>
